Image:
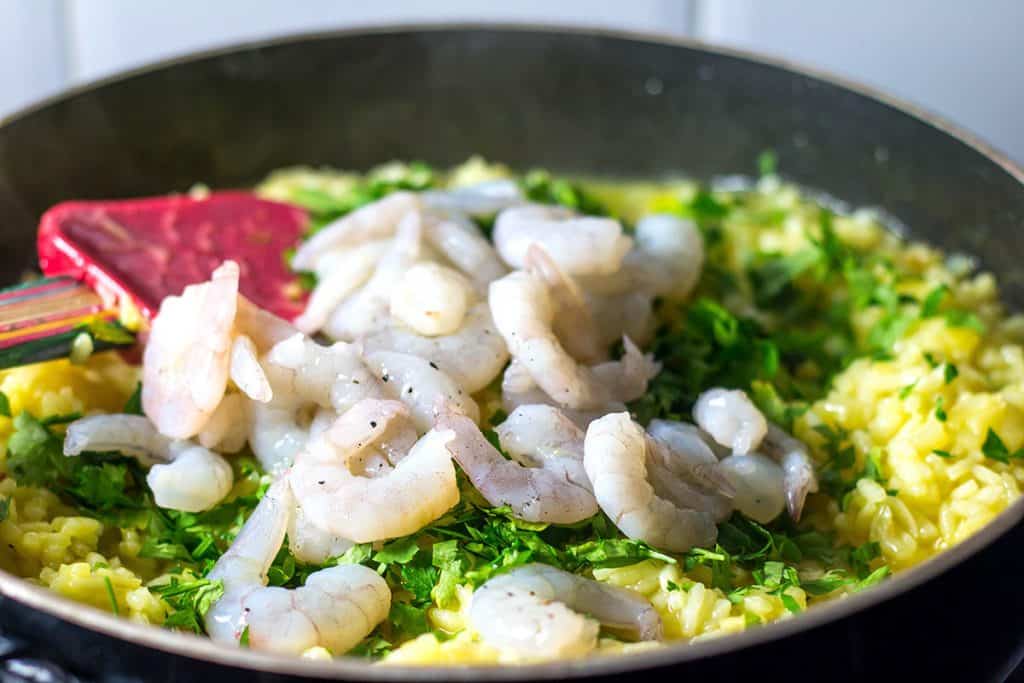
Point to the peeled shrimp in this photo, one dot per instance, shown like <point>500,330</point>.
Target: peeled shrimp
<point>683,470</point>
<point>305,376</point>
<point>668,256</point>
<point>460,241</point>
<point>183,476</point>
<point>758,483</point>
<point>538,612</point>
<point>310,544</point>
<point>524,311</point>
<point>731,419</point>
<point>420,385</point>
<point>367,308</point>
<point>545,482</point>
<point>481,199</point>
<point>187,358</point>
<point>354,267</point>
<point>263,327</point>
<point>472,356</point>
<point>336,608</point>
<point>581,245</point>
<point>629,314</point>
<point>227,430</point>
<point>615,460</point>
<point>419,489</point>
<point>519,389</point>
<point>377,220</point>
<point>431,299</point>
<point>798,474</point>
<point>573,325</point>
<point>246,371</point>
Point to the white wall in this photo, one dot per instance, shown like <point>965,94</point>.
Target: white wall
<point>958,59</point>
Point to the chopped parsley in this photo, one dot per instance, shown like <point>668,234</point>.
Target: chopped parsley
<point>995,449</point>
<point>950,373</point>
<point>113,597</point>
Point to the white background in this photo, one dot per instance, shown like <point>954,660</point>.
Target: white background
<point>960,59</point>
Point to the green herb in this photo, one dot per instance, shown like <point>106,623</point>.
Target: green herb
<point>940,410</point>
<point>930,359</point>
<point>873,578</point>
<point>133,406</point>
<point>5,405</point>
<point>958,318</point>
<point>357,554</point>
<point>614,552</point>
<point>950,373</point>
<point>5,508</point>
<point>399,551</point>
<point>995,449</point>
<point>942,454</point>
<point>111,595</point>
<point>933,300</point>
<point>540,186</point>
<point>243,640</point>
<point>905,391</point>
<point>113,333</point>
<point>190,600</point>
<point>372,647</point>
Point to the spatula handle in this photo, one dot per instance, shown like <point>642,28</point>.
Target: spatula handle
<point>40,320</point>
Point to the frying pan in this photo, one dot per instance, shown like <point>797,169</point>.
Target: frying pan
<point>599,103</point>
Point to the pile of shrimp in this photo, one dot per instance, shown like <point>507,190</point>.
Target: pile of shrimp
<point>360,410</point>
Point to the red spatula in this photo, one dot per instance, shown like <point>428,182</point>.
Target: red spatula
<point>99,256</point>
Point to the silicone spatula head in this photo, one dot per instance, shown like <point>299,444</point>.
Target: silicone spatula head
<point>143,250</point>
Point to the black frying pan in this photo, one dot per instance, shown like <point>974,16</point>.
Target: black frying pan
<point>575,102</point>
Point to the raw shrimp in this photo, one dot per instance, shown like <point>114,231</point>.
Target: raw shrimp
<point>629,314</point>
<point>431,299</point>
<point>538,612</point>
<point>419,489</point>
<point>263,327</point>
<point>758,482</point>
<point>310,544</point>
<point>336,608</point>
<point>246,372</point>
<point>367,308</point>
<point>581,245</point>
<point>731,419</point>
<point>573,324</point>
<point>668,256</point>
<point>183,475</point>
<point>545,481</point>
<point>354,267</point>
<point>523,312</point>
<point>798,474</point>
<point>460,241</point>
<point>615,460</point>
<point>479,200</point>
<point>305,376</point>
<point>420,385</point>
<point>683,470</point>
<point>227,430</point>
<point>692,452</point>
<point>472,356</point>
<point>187,358</point>
<point>519,389</point>
<point>374,221</point>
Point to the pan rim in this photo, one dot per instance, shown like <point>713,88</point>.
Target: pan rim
<point>187,645</point>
